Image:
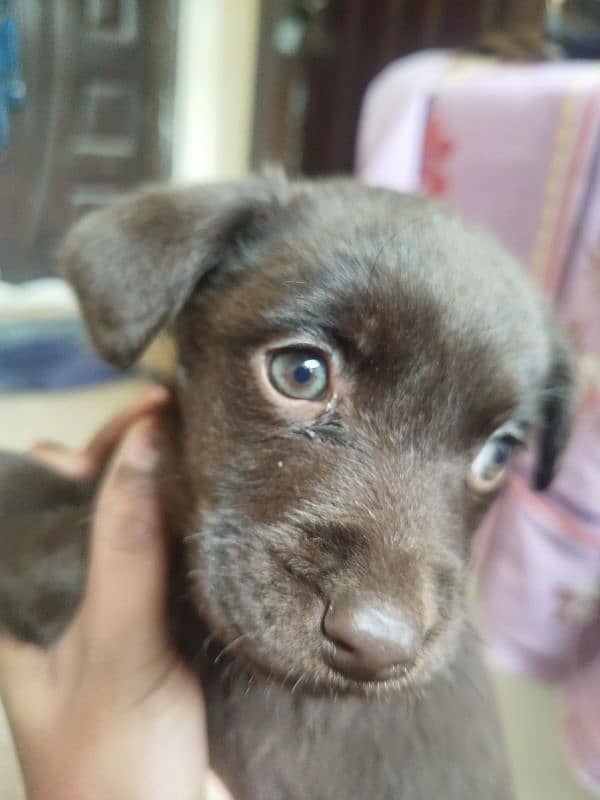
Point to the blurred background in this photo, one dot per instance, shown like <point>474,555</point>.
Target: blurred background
<point>491,105</point>
<point>124,91</point>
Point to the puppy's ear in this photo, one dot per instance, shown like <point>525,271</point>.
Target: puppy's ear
<point>135,263</point>
<point>559,399</point>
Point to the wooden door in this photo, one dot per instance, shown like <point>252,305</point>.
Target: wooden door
<point>98,76</point>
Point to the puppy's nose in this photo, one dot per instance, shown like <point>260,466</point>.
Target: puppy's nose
<point>369,640</point>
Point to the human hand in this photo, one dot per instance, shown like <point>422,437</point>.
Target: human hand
<point>110,710</point>
<point>89,462</point>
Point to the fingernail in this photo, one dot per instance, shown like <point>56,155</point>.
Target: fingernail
<point>140,449</point>
<point>157,394</point>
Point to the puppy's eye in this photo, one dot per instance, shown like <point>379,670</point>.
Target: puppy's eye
<point>490,465</point>
<point>299,374</point>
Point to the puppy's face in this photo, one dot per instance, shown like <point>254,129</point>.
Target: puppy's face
<point>356,369</point>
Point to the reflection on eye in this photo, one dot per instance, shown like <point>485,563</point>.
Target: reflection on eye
<point>299,374</point>
<point>490,465</point>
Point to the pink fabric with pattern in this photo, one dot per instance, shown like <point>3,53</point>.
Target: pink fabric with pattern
<point>516,148</point>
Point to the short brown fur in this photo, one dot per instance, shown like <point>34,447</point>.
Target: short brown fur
<point>437,339</point>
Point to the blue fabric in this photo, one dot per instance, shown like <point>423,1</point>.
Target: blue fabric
<point>12,88</point>
<point>49,355</point>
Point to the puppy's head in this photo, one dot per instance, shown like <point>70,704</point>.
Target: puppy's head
<point>356,369</point>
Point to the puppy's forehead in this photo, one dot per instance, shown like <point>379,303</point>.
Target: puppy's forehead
<point>384,269</point>
<point>400,329</point>
<point>409,292</point>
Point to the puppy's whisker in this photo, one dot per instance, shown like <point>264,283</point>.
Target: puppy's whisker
<point>249,684</point>
<point>230,646</point>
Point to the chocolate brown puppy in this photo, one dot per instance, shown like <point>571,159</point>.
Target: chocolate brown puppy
<point>355,370</point>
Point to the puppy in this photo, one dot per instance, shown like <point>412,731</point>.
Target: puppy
<point>356,369</point>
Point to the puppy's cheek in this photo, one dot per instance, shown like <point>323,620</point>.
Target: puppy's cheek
<point>447,586</point>
<point>476,506</point>
<point>244,595</point>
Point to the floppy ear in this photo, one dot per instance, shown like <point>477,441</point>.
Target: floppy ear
<point>135,263</point>
<point>559,399</point>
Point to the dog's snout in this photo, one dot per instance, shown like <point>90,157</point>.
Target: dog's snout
<point>370,640</point>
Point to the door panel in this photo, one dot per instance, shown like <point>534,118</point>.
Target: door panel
<point>98,75</point>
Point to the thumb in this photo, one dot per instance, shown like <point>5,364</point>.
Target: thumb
<point>123,611</point>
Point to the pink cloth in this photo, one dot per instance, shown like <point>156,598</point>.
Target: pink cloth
<point>516,148</point>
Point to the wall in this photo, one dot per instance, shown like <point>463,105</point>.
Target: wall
<point>216,73</point>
